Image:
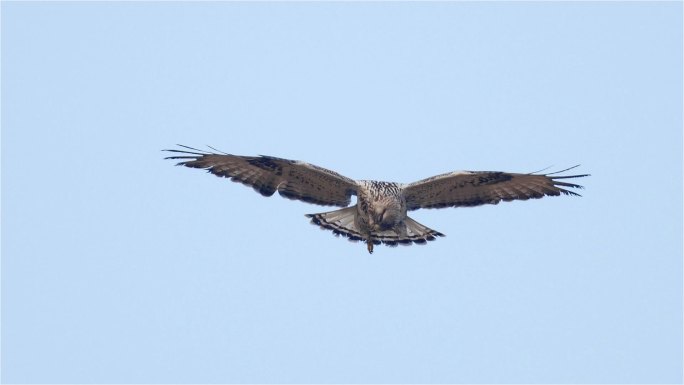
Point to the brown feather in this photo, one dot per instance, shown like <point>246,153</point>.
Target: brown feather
<point>474,188</point>
<point>266,174</point>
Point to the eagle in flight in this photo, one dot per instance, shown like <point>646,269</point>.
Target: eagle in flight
<point>380,214</point>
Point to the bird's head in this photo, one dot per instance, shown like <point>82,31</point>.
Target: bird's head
<point>384,216</point>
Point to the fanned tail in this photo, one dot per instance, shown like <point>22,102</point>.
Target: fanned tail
<point>411,232</point>
<point>343,222</point>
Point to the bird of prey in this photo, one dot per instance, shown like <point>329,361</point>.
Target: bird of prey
<point>380,213</point>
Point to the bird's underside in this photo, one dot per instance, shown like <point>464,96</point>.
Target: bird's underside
<point>380,213</point>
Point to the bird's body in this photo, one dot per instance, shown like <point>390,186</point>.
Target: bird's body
<point>381,206</point>
<point>380,213</point>
<point>378,216</point>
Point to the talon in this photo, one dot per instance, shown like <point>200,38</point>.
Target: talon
<point>369,243</point>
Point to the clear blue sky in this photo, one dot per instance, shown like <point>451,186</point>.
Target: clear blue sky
<point>118,267</point>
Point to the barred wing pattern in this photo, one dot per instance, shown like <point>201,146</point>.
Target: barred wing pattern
<point>266,174</point>
<point>474,188</point>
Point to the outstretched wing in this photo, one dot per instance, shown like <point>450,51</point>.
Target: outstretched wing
<point>474,188</point>
<point>266,174</point>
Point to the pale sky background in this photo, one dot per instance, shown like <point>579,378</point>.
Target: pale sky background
<point>118,267</point>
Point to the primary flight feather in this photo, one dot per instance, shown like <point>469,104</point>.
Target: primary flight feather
<point>380,214</point>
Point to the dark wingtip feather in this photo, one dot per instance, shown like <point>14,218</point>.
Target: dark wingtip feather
<point>570,176</point>
<point>555,178</point>
<point>564,170</point>
<point>194,154</point>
